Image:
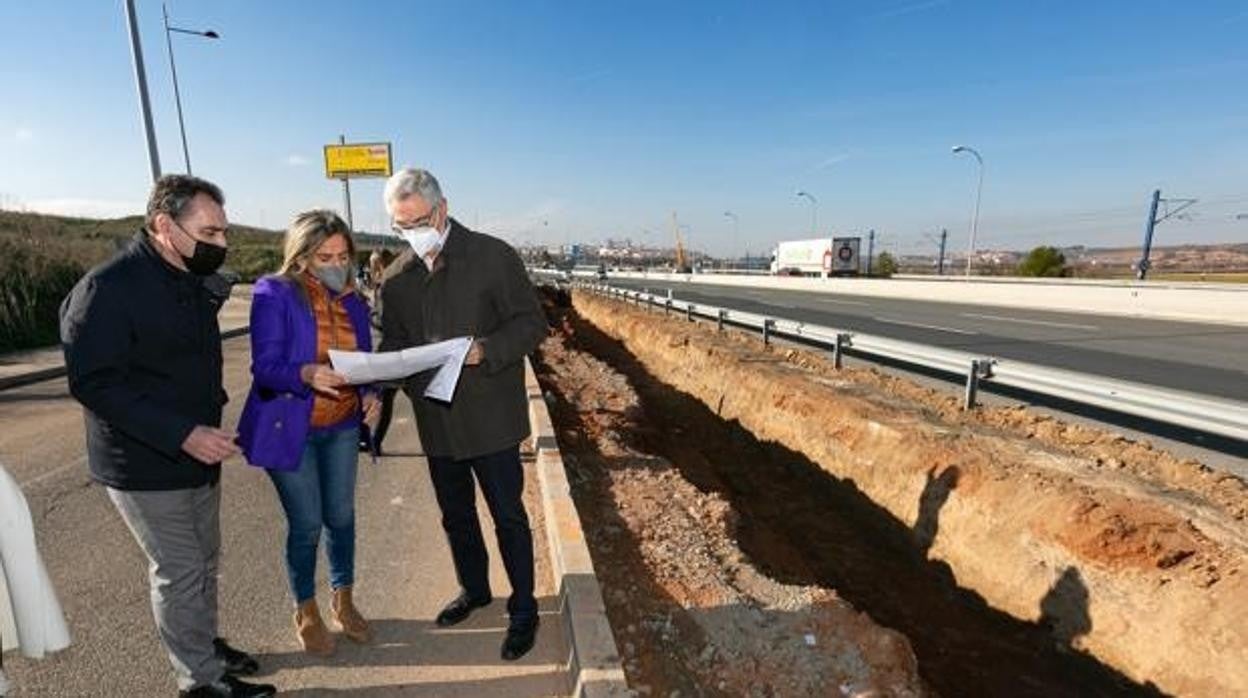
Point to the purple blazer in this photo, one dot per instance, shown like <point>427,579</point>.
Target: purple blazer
<point>278,413</point>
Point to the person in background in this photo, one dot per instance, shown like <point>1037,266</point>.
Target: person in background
<point>371,440</point>
<point>454,282</point>
<point>301,419</point>
<point>143,355</point>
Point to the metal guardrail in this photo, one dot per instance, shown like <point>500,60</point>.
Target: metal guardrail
<point>1212,415</point>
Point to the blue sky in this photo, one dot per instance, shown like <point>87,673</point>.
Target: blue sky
<point>558,121</point>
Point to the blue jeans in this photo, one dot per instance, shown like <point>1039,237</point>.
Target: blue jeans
<point>320,496</point>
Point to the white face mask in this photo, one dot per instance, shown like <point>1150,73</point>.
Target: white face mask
<point>422,239</point>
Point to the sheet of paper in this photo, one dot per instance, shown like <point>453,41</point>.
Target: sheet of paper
<point>447,357</point>
<point>442,387</point>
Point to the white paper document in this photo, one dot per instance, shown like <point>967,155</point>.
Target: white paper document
<point>447,357</point>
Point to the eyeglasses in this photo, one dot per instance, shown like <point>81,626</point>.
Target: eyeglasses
<point>425,221</point>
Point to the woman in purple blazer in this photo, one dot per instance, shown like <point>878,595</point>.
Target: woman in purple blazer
<point>301,421</point>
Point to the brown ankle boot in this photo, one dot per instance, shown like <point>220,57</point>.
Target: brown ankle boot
<point>313,635</point>
<point>348,617</point>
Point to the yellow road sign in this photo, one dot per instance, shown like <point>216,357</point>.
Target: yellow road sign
<point>357,160</point>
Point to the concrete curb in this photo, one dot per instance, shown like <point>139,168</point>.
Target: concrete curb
<point>594,666</point>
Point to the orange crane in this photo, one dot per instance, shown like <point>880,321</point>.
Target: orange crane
<point>682,261</point>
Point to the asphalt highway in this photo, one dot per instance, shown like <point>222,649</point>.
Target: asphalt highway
<point>1201,358</point>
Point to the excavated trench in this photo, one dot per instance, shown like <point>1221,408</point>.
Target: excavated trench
<point>802,525</point>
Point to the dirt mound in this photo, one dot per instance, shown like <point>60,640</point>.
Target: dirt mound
<point>1119,552</point>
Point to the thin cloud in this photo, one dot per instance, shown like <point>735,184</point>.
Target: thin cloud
<point>912,8</point>
<point>296,160</point>
<point>832,161</point>
<point>86,208</point>
<point>23,135</point>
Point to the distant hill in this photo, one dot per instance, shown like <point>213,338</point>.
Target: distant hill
<point>1100,262</point>
<point>88,241</point>
<point>43,256</point>
<point>1175,258</point>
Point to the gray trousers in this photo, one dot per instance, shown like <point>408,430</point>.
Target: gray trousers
<point>180,532</point>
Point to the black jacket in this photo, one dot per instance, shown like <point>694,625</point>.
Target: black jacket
<point>478,287</point>
<point>143,352</point>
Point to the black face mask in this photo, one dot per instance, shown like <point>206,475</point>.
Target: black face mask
<point>205,259</point>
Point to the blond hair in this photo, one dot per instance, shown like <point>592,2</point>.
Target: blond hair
<point>308,232</point>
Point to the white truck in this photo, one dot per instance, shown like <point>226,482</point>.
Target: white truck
<point>815,257</point>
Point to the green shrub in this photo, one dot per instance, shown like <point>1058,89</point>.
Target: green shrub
<point>1043,261</point>
<point>885,265</point>
<point>32,284</point>
<point>251,262</point>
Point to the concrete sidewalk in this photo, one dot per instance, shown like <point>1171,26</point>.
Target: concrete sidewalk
<point>404,576</point>
<point>403,568</point>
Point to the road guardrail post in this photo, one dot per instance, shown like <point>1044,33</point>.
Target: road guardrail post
<point>972,385</point>
<point>719,322</point>
<point>689,312</point>
<point>980,369</point>
<point>768,325</point>
<point>667,306</point>
<point>838,350</point>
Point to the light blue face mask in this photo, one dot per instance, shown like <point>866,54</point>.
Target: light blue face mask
<point>334,277</point>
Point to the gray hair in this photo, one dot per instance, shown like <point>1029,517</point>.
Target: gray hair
<point>411,180</point>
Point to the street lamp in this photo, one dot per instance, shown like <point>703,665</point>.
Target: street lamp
<point>814,213</point>
<point>979,188</point>
<point>140,80</point>
<point>177,97</point>
<point>736,227</point>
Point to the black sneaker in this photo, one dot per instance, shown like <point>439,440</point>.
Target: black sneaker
<point>236,662</point>
<point>230,687</point>
<point>458,610</point>
<point>520,639</point>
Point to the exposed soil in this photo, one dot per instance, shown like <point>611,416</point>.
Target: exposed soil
<point>691,613</point>
<point>733,509</point>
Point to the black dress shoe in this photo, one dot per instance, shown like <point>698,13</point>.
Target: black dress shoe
<point>458,610</point>
<point>520,639</point>
<point>230,687</point>
<point>236,663</point>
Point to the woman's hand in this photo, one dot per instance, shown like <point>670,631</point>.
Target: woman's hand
<point>372,410</point>
<point>322,379</point>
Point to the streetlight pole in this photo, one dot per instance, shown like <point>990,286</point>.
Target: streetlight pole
<point>140,79</point>
<point>814,213</point>
<point>736,227</point>
<point>979,189</point>
<point>177,95</point>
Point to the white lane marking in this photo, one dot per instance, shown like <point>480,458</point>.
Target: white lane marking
<point>892,321</point>
<point>837,301</point>
<point>79,462</point>
<point>1031,322</point>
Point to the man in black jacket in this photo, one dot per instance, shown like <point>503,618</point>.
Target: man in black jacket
<point>143,351</point>
<point>453,283</point>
